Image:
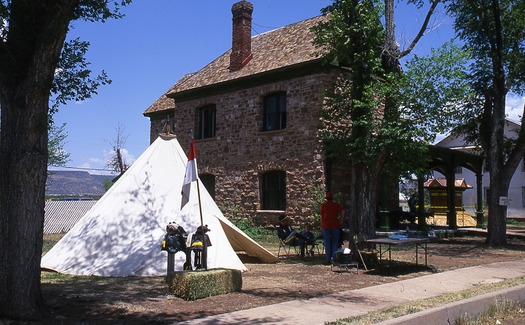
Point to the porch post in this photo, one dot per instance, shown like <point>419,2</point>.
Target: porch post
<point>421,215</point>
<point>451,199</point>
<point>480,220</point>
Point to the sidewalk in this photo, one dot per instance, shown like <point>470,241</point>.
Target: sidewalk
<point>357,302</point>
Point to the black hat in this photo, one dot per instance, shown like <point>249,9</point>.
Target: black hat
<point>282,217</point>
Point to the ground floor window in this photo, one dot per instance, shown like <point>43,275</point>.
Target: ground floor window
<point>273,190</point>
<point>208,181</point>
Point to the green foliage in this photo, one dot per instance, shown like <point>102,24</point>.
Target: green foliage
<point>317,195</point>
<point>375,113</point>
<point>494,51</point>
<point>478,25</point>
<point>55,145</point>
<point>435,93</point>
<point>500,309</point>
<point>515,222</point>
<point>231,210</point>
<point>49,241</point>
<point>97,10</point>
<point>236,215</point>
<point>253,231</point>
<point>363,116</point>
<point>352,37</point>
<point>107,183</point>
<point>73,80</point>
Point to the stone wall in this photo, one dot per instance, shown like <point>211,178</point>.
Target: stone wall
<point>240,152</point>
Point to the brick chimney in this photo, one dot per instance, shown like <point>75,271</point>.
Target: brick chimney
<point>241,35</point>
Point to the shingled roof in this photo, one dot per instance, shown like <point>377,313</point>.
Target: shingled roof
<point>283,47</point>
<point>441,182</point>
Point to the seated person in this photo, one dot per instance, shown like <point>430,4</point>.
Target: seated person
<point>288,235</point>
<point>309,238</point>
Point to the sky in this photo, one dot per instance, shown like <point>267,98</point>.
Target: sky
<point>159,41</point>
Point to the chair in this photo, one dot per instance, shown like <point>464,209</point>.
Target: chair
<point>317,247</point>
<point>287,249</point>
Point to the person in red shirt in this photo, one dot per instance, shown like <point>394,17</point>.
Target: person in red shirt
<point>332,217</point>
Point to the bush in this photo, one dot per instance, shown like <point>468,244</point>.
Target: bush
<point>254,232</point>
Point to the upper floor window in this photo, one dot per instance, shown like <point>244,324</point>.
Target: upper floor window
<point>274,112</point>
<point>273,190</point>
<point>205,122</point>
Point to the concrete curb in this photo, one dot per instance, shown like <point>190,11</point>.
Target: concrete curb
<point>448,313</point>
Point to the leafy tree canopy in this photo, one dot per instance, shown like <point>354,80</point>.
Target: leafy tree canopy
<point>73,79</point>
<point>378,112</point>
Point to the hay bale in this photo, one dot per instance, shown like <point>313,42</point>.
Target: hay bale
<point>193,285</point>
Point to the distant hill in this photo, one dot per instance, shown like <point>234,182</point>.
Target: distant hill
<point>75,183</point>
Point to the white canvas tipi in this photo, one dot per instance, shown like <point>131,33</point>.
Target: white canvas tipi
<point>122,234</point>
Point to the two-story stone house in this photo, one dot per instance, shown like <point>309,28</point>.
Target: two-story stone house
<point>255,113</point>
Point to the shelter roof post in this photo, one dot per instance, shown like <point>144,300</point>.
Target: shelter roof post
<point>480,220</point>
<point>451,198</point>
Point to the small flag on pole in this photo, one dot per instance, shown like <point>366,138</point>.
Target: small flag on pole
<point>191,175</point>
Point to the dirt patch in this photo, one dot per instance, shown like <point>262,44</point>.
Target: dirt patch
<point>146,300</point>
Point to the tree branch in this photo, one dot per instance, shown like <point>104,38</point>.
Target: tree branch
<point>422,29</point>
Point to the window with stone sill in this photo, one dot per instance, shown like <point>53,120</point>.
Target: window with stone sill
<point>205,128</point>
<point>273,190</point>
<point>274,111</point>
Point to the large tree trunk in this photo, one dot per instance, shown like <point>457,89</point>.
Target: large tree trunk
<point>501,171</point>
<point>363,194</point>
<point>501,165</point>
<point>23,176</point>
<point>497,223</point>
<point>28,58</point>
